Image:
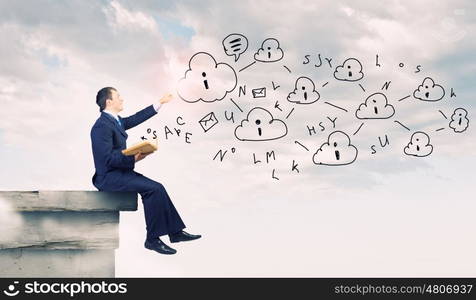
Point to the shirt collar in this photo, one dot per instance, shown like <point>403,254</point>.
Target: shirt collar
<point>114,115</point>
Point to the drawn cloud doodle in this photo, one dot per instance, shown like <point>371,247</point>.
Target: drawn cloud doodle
<point>419,145</point>
<point>304,92</point>
<point>459,120</point>
<point>260,125</point>
<point>375,107</point>
<point>350,70</point>
<point>270,51</point>
<point>429,91</point>
<point>206,79</point>
<point>337,151</point>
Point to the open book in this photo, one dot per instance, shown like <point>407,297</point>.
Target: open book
<point>142,147</point>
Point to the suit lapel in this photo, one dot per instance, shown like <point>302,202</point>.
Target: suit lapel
<point>114,123</point>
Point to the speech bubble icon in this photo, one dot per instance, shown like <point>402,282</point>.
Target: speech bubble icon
<point>235,44</point>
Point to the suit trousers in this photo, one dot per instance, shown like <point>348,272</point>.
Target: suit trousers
<point>161,217</point>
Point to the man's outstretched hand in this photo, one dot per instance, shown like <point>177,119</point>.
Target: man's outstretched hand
<point>166,98</point>
<point>140,156</point>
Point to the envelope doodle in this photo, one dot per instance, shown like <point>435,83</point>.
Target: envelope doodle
<point>259,92</point>
<point>208,121</point>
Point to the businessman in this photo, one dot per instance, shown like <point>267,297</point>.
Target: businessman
<point>115,171</point>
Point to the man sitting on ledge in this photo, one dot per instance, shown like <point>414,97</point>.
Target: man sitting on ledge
<point>115,171</point>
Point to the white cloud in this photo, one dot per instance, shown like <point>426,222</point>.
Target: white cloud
<point>375,107</point>
<point>121,18</point>
<point>206,79</point>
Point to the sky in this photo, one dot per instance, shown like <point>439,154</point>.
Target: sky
<point>384,214</point>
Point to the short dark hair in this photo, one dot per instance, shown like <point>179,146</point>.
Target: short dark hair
<point>103,95</point>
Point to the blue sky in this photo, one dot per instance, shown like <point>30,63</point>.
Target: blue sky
<point>172,27</point>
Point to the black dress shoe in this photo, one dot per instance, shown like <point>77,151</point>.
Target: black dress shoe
<point>183,236</point>
<point>159,246</point>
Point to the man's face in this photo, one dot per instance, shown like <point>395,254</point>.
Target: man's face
<point>114,104</point>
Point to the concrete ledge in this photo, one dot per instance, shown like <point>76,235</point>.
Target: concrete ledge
<point>57,263</point>
<point>61,233</point>
<point>64,230</point>
<point>70,200</point>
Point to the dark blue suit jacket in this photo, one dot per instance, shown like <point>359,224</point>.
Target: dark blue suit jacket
<point>108,140</point>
